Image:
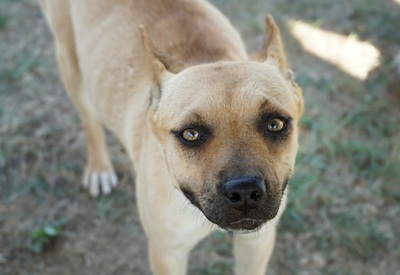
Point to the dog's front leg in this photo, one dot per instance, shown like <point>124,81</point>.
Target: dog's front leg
<point>167,261</point>
<point>171,241</point>
<point>253,251</point>
<point>169,248</point>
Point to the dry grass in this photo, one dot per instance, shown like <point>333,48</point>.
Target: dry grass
<point>344,204</point>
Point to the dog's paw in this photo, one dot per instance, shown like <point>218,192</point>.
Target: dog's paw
<point>96,182</point>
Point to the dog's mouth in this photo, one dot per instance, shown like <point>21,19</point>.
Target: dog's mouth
<point>245,226</point>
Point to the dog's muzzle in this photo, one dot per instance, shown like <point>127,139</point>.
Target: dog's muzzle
<point>239,204</point>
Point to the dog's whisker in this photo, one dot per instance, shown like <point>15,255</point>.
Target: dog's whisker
<point>183,207</point>
<point>170,194</point>
<point>198,215</point>
<point>186,207</point>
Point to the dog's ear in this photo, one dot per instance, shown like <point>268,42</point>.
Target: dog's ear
<point>272,47</point>
<point>272,51</point>
<point>161,65</point>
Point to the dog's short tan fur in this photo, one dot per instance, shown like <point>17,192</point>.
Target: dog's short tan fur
<point>185,67</point>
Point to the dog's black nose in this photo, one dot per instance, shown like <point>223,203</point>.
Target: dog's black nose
<point>244,193</point>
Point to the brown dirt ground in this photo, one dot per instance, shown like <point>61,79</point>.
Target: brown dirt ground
<point>43,154</point>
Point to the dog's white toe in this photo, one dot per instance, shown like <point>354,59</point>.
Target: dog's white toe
<point>94,188</point>
<point>114,179</point>
<point>105,183</point>
<point>97,183</point>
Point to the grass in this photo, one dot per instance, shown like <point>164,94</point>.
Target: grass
<point>110,207</point>
<point>358,143</point>
<point>45,235</point>
<point>3,21</point>
<point>215,268</point>
<point>218,250</point>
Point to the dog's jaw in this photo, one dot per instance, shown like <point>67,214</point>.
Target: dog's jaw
<point>231,220</point>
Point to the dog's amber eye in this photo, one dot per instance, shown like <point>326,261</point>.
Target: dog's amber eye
<point>190,135</point>
<point>275,125</point>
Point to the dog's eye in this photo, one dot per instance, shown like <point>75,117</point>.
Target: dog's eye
<point>276,125</point>
<point>190,135</point>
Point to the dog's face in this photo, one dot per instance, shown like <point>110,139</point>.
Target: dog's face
<point>229,135</point>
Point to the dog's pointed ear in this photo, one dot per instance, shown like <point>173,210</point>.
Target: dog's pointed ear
<point>272,46</point>
<point>161,65</point>
<point>272,51</point>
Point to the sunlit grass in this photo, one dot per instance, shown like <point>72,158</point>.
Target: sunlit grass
<point>354,57</point>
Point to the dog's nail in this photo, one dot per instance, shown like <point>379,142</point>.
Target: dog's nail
<point>105,183</point>
<point>114,179</point>
<point>94,185</point>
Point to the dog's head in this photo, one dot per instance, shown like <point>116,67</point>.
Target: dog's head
<point>228,131</point>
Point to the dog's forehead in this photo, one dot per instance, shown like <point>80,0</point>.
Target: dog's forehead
<point>227,88</point>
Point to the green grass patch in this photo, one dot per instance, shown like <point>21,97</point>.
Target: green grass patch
<point>45,235</point>
<point>215,268</point>
<point>112,207</point>
<point>4,19</point>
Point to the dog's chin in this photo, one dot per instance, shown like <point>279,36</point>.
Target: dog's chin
<point>244,226</point>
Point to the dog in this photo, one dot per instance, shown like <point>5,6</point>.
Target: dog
<point>205,126</point>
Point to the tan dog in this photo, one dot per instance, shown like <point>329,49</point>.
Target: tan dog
<point>222,130</point>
